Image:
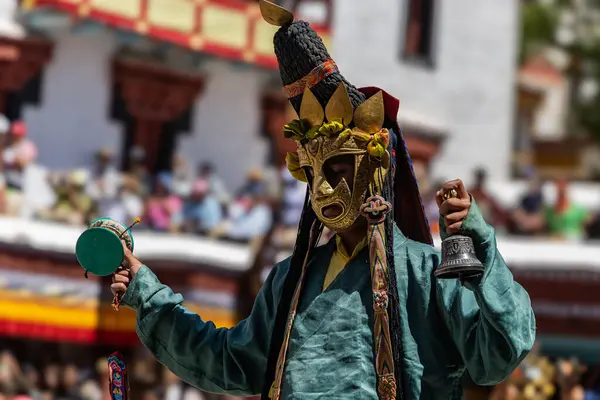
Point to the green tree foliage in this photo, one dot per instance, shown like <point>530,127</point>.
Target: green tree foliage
<point>538,27</point>
<point>541,21</point>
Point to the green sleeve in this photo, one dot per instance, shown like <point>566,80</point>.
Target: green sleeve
<point>490,317</point>
<point>218,360</point>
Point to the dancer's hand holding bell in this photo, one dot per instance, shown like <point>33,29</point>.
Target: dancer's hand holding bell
<point>454,202</point>
<point>458,257</point>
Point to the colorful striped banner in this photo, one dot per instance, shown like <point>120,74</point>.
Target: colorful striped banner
<point>51,318</point>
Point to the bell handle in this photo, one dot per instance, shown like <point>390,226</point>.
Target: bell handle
<point>450,194</point>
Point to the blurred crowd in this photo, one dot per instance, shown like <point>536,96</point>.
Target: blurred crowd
<point>195,200</point>
<point>537,378</point>
<point>534,214</point>
<point>22,379</point>
<point>182,200</point>
<point>542,378</point>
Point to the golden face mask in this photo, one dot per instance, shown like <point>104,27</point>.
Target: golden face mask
<point>320,141</point>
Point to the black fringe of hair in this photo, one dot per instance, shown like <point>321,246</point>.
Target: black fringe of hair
<point>309,228</point>
<point>394,301</point>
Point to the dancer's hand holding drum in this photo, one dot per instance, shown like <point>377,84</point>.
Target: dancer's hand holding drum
<point>104,249</point>
<point>124,274</point>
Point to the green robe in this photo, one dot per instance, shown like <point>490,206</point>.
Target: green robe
<point>485,326</point>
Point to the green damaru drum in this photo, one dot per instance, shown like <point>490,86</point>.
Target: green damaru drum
<point>99,249</point>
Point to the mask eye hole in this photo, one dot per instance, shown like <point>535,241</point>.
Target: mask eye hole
<point>338,168</point>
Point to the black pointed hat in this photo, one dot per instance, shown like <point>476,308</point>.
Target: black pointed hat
<point>305,62</point>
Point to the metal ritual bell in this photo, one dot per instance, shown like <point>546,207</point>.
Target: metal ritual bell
<point>458,255</point>
<point>458,259</point>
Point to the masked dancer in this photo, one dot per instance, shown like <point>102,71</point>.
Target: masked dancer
<point>362,317</point>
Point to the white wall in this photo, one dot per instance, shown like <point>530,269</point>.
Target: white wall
<point>72,122</point>
<point>227,122</point>
<point>470,89</point>
<point>8,26</point>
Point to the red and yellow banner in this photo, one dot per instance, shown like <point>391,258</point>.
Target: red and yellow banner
<point>232,29</point>
<point>66,320</point>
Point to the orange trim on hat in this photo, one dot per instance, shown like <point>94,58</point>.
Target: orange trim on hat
<point>315,76</point>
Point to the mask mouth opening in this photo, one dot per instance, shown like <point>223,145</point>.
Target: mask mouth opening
<point>332,211</point>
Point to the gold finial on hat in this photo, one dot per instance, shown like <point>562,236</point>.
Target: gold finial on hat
<point>370,115</point>
<point>339,108</point>
<point>310,109</point>
<point>274,14</point>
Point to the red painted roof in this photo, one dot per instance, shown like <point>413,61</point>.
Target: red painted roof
<point>540,69</point>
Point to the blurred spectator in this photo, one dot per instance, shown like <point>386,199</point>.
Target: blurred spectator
<point>73,205</point>
<point>254,185</point>
<point>105,180</point>
<point>181,175</point>
<point>566,220</point>
<point>432,211</point>
<point>592,395</point>
<point>272,185</point>
<point>491,210</point>
<point>206,172</point>
<point>528,218</point>
<point>19,153</point>
<point>151,394</point>
<point>4,129</point>
<point>293,195</point>
<point>32,381</point>
<point>143,371</point>
<point>592,391</point>
<point>12,381</point>
<point>505,391</point>
<point>593,230</point>
<point>139,170</point>
<point>201,211</point>
<point>71,383</point>
<point>569,374</point>
<point>250,216</point>
<point>90,389</point>
<point>103,380</point>
<point>177,390</point>
<point>162,206</point>
<point>127,205</point>
<point>51,381</point>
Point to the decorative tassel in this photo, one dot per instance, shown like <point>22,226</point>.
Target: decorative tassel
<point>375,210</point>
<point>116,303</point>
<point>118,378</point>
